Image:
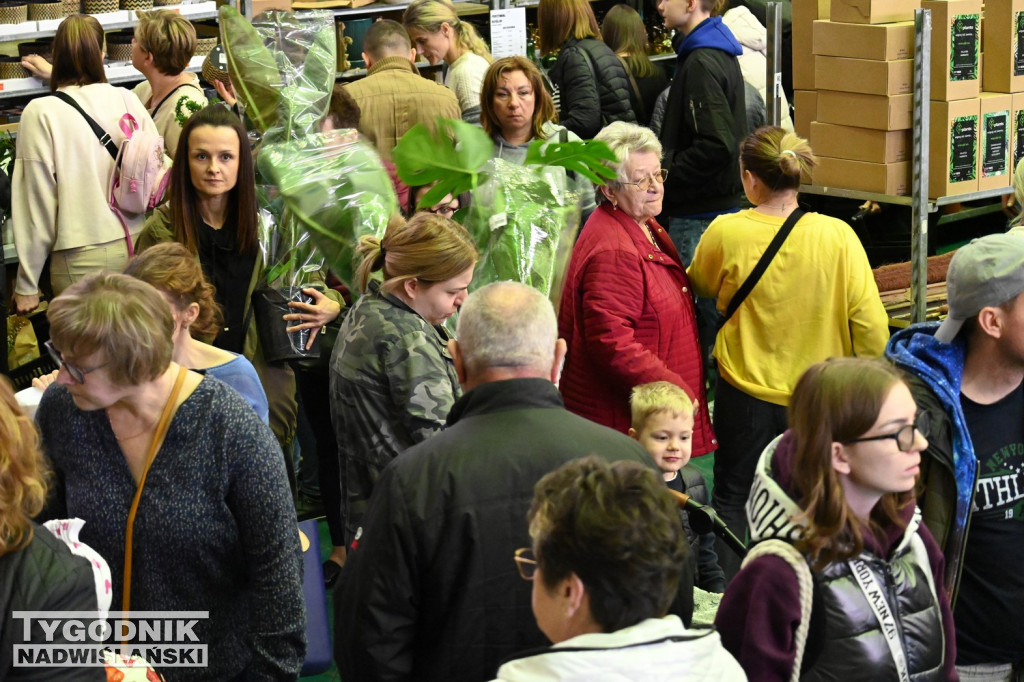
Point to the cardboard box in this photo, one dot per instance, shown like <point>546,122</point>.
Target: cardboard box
<point>865,41</point>
<point>956,48</point>
<point>953,146</point>
<point>884,178</point>
<point>879,112</point>
<point>867,76</point>
<point>861,144</point>
<point>873,11</point>
<point>1017,129</point>
<point>805,12</point>
<point>805,110</point>
<point>1003,43</point>
<point>994,143</point>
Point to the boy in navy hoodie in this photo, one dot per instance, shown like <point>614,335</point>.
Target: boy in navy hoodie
<point>705,122</point>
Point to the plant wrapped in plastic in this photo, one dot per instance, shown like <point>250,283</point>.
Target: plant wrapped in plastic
<point>524,218</point>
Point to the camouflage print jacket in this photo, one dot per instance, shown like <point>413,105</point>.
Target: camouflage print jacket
<point>392,385</point>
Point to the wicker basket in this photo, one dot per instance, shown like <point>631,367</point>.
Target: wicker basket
<point>10,67</point>
<point>43,48</point>
<point>207,38</point>
<point>46,11</point>
<point>100,6</point>
<point>72,7</point>
<point>136,4</point>
<point>215,66</point>
<point>119,45</point>
<point>13,12</point>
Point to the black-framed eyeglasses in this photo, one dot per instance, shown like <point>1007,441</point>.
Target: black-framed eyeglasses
<point>644,184</point>
<point>445,210</point>
<point>905,437</point>
<point>526,563</point>
<point>76,374</point>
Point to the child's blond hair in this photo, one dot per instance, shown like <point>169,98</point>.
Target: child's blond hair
<point>658,396</point>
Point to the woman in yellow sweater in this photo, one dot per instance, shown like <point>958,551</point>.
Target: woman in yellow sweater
<point>817,299</point>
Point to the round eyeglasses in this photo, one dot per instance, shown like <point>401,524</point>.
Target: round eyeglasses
<point>77,374</point>
<point>905,437</point>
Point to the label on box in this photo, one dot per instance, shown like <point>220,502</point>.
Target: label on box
<point>994,143</point>
<point>1018,138</point>
<point>963,149</point>
<point>1018,44</point>
<point>963,53</point>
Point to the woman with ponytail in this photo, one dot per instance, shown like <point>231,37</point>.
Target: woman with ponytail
<point>845,582</point>
<point>817,299</point>
<point>438,34</point>
<point>392,377</point>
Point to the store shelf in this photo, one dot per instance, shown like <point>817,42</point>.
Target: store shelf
<point>112,21</point>
<point>359,73</point>
<point>933,204</point>
<point>462,8</point>
<point>117,72</point>
<point>668,56</point>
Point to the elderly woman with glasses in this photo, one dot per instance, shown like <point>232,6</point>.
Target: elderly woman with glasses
<point>627,309</point>
<point>181,464</point>
<point>605,565</point>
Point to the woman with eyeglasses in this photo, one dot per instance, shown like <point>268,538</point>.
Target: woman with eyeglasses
<point>627,308</point>
<point>605,565</point>
<point>844,581</point>
<point>817,299</point>
<point>213,528</point>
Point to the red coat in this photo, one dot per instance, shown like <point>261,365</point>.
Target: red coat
<point>627,315</point>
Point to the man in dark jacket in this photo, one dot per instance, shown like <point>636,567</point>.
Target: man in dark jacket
<point>705,122</point>
<point>968,375</point>
<point>431,591</point>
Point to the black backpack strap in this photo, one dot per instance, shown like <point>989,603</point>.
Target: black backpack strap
<point>102,134</point>
<point>762,265</point>
<point>168,96</point>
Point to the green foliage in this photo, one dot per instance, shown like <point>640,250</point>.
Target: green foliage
<point>452,156</point>
<point>253,69</point>
<point>583,157</point>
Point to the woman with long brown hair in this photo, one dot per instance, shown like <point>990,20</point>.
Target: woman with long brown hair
<point>833,503</point>
<point>60,203</point>
<point>623,30</point>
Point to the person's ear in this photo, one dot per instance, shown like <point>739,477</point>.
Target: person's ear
<point>190,314</point>
<point>574,593</point>
<point>457,360</point>
<point>633,433</point>
<point>556,367</point>
<point>608,195</point>
<point>367,59</point>
<point>412,54</point>
<point>990,321</point>
<point>840,459</point>
<point>411,287</point>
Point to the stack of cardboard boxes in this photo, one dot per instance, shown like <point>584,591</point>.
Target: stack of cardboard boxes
<point>856,107</point>
<point>863,82</point>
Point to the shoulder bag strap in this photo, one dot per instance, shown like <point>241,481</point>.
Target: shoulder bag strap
<point>792,556</point>
<point>168,96</point>
<point>154,446</point>
<point>642,113</point>
<point>103,136</point>
<point>762,265</point>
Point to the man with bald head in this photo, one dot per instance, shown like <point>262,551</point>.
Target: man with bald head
<point>431,591</point>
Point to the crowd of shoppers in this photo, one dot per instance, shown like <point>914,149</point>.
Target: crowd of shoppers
<point>457,456</point>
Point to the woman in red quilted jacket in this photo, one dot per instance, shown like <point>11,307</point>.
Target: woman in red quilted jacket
<point>627,307</point>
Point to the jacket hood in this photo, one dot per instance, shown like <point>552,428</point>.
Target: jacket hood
<point>711,33</point>
<point>747,30</point>
<point>772,510</point>
<point>941,366</point>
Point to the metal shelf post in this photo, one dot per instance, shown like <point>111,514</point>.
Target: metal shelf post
<point>919,183</point>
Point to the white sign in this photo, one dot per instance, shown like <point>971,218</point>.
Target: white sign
<point>508,32</point>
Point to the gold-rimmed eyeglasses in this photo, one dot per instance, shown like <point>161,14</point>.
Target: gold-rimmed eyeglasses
<point>526,563</point>
<point>644,184</point>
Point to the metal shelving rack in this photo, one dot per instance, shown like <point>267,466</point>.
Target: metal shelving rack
<point>921,205</point>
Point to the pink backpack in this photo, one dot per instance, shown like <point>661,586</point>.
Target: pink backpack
<point>140,176</point>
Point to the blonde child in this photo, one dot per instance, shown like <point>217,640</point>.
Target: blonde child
<point>662,418</point>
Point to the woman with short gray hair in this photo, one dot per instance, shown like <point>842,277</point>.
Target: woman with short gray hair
<point>627,308</point>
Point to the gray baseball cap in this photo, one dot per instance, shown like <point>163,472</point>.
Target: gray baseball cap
<point>986,272</point>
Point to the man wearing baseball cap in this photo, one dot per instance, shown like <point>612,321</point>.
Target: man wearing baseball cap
<point>968,375</point>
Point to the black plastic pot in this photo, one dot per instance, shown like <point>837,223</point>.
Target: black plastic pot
<point>269,305</point>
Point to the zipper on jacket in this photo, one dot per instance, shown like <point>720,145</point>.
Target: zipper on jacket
<point>693,113</point>
<point>890,584</point>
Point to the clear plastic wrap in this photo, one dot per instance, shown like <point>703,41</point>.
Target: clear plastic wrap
<point>524,220</point>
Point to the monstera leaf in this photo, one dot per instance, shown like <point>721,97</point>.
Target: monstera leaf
<point>253,68</point>
<point>577,156</point>
<point>451,156</point>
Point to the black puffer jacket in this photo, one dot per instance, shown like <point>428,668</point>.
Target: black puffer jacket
<point>590,97</point>
<point>44,576</point>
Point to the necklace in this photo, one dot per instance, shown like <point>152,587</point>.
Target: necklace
<point>143,432</point>
<point>650,234</point>
<point>777,208</point>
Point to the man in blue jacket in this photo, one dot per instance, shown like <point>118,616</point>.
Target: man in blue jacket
<point>968,375</point>
<point>705,122</point>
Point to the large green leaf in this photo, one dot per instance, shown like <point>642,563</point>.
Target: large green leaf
<point>253,69</point>
<point>451,156</point>
<point>585,157</point>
